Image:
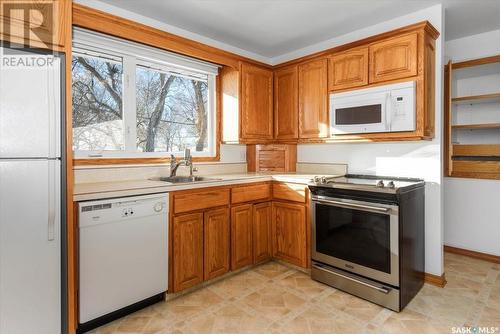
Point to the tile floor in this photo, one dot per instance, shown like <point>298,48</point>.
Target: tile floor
<point>273,298</point>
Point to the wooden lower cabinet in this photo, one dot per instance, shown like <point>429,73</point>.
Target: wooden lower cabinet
<point>289,233</point>
<point>216,242</point>
<point>187,251</point>
<point>262,243</point>
<point>241,236</point>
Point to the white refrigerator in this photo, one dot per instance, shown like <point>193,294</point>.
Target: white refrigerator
<point>31,191</point>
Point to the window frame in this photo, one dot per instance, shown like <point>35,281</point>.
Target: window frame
<point>134,55</point>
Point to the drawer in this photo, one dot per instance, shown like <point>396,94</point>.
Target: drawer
<point>198,200</point>
<point>251,192</point>
<point>290,192</point>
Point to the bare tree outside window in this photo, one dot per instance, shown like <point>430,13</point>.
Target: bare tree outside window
<point>97,104</point>
<point>171,109</point>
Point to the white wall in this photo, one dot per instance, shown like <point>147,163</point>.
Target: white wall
<point>471,206</point>
<point>416,159</point>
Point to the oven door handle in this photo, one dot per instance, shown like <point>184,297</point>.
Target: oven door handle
<point>378,288</point>
<point>320,200</point>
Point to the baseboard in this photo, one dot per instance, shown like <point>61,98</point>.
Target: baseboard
<point>474,254</point>
<point>436,280</point>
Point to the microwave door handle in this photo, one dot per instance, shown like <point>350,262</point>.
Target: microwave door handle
<point>388,112</point>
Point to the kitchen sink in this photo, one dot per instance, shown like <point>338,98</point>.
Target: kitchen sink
<point>185,179</point>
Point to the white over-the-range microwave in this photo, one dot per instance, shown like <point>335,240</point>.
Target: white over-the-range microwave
<point>388,108</point>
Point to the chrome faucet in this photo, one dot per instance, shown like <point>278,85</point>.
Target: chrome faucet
<point>187,161</point>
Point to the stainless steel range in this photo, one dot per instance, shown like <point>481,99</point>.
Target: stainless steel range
<point>368,236</point>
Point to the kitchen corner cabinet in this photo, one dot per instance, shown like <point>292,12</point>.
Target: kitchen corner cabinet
<point>262,231</point>
<point>187,250</point>
<point>241,236</point>
<point>348,69</point>
<point>247,104</point>
<point>216,242</point>
<point>313,99</point>
<point>289,233</point>
<point>286,104</point>
<point>51,19</point>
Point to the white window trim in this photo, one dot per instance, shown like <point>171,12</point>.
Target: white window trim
<point>133,54</point>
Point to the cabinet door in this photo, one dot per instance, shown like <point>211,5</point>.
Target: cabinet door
<point>289,233</point>
<point>313,99</point>
<point>394,58</point>
<point>216,245</point>
<point>256,103</point>
<point>286,112</point>
<point>262,246</point>
<point>348,69</point>
<point>241,236</point>
<point>36,23</point>
<point>188,250</point>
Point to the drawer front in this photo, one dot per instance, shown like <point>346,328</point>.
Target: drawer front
<point>250,193</point>
<point>198,200</point>
<point>290,192</point>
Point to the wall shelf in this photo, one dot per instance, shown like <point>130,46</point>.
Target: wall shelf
<point>476,99</point>
<point>477,126</point>
<point>480,161</point>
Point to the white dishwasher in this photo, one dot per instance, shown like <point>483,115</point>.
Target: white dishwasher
<point>122,256</point>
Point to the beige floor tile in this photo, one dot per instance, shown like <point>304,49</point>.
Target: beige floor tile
<point>229,319</point>
<point>271,269</point>
<point>490,317</point>
<point>133,324</point>
<point>273,302</point>
<point>354,306</point>
<point>275,299</point>
<point>303,284</point>
<point>316,320</point>
<point>410,322</point>
<point>239,285</point>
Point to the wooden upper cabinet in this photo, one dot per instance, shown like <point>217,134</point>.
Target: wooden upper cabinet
<point>262,231</point>
<point>289,233</point>
<point>36,23</point>
<point>187,251</point>
<point>348,69</point>
<point>394,58</point>
<point>241,236</point>
<point>313,99</point>
<point>256,103</point>
<point>216,242</point>
<point>286,104</point>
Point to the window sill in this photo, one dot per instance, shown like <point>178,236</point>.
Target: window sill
<point>133,161</point>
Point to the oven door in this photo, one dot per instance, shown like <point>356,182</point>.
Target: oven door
<point>360,237</point>
<point>360,113</point>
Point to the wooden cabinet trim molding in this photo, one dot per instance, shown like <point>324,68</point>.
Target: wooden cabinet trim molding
<point>93,19</point>
<point>420,26</point>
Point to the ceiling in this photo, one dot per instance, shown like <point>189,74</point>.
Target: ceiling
<point>271,28</point>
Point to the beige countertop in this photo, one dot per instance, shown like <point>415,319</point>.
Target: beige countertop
<point>102,190</point>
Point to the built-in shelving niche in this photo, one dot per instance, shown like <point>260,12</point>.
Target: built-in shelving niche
<point>472,118</point>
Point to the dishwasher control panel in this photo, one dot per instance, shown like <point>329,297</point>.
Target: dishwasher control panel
<point>96,212</point>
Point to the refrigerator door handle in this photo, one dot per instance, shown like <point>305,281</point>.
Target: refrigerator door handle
<point>51,201</point>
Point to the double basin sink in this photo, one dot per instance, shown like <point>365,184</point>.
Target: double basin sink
<point>185,179</point>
